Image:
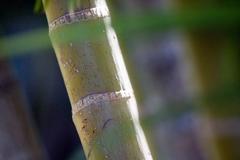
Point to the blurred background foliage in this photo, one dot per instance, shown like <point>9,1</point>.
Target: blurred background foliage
<point>183,58</point>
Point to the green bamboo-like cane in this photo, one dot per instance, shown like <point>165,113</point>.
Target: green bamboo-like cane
<point>104,107</point>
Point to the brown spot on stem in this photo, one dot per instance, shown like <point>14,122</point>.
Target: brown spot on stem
<point>85,120</point>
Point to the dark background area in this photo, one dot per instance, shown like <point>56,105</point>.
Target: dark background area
<point>41,81</point>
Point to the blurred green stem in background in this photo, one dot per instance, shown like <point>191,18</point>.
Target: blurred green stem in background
<point>147,22</point>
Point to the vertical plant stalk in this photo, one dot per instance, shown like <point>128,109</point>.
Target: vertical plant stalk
<point>17,137</point>
<point>212,50</point>
<point>221,118</point>
<point>103,103</point>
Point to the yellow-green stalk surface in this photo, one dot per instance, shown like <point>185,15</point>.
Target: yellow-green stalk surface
<point>103,103</point>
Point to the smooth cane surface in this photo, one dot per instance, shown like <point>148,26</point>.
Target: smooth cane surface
<point>104,107</point>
